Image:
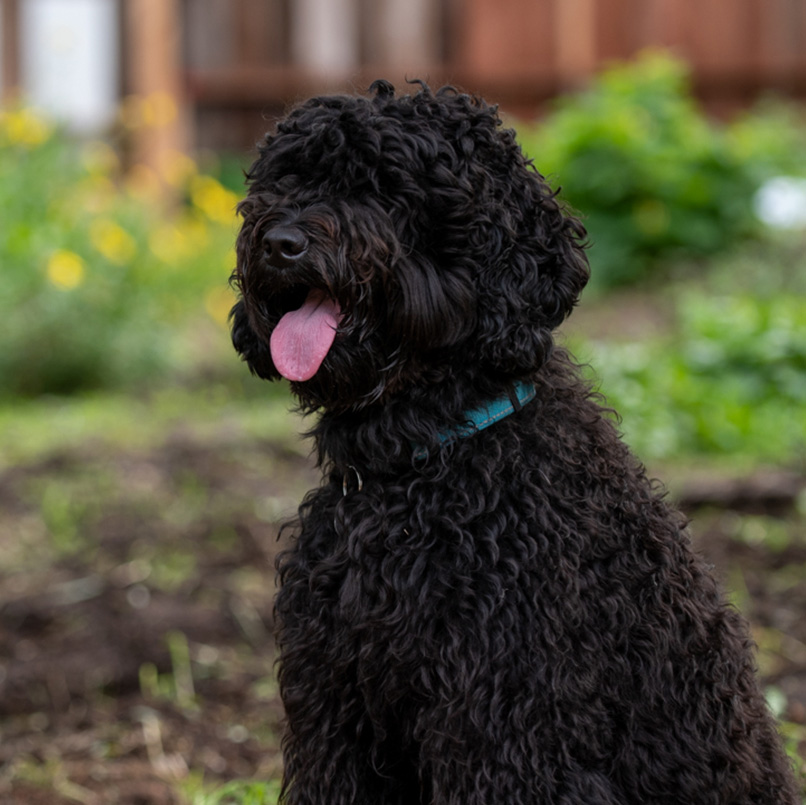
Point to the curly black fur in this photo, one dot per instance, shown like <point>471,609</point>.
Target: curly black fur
<point>519,617</point>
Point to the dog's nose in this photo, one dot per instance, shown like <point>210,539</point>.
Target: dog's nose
<point>284,246</point>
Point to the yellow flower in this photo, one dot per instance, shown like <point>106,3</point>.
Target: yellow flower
<point>176,241</point>
<point>100,159</point>
<point>213,199</point>
<point>177,168</point>
<point>112,241</point>
<point>23,127</point>
<point>218,302</point>
<point>95,193</point>
<point>159,109</point>
<point>65,269</point>
<point>156,110</point>
<point>168,243</point>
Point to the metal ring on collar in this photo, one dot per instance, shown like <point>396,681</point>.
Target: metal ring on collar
<point>345,483</point>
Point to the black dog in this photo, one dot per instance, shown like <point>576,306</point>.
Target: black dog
<point>486,601</point>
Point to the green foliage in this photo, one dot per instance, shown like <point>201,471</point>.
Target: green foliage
<point>240,793</point>
<point>651,176</point>
<point>731,382</point>
<point>769,139</point>
<point>793,734</point>
<point>757,346</point>
<point>95,272</point>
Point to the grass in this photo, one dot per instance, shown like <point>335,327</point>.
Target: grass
<point>238,793</point>
<point>37,428</point>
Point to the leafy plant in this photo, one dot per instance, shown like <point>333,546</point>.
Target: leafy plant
<point>769,139</point>
<point>732,381</point>
<point>651,176</point>
<point>96,272</point>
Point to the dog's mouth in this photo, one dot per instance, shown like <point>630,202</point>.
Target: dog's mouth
<point>305,332</point>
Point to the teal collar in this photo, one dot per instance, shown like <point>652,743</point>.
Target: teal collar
<point>486,415</point>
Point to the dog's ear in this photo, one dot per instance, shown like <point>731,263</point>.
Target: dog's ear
<point>530,291</point>
<point>430,309</point>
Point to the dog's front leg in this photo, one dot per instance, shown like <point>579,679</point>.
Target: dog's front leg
<point>330,745</point>
<point>487,733</point>
<point>327,749</point>
<point>471,763</point>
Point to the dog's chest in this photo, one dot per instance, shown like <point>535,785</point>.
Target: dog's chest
<point>402,558</point>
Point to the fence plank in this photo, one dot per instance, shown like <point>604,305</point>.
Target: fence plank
<point>261,32</point>
<point>325,35</point>
<point>406,35</point>
<point>783,37</point>
<point>575,38</point>
<point>501,39</point>
<point>721,38</point>
<point>210,34</point>
<point>624,27</point>
<point>9,48</point>
<point>155,77</point>
<point>663,23</point>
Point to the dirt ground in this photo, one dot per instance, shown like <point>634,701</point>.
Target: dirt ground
<point>135,611</point>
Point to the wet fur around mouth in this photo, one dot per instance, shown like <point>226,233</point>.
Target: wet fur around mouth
<point>514,616</point>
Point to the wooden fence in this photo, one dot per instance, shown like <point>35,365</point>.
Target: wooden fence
<point>248,55</point>
<point>231,65</point>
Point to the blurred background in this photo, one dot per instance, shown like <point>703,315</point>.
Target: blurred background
<point>144,474</point>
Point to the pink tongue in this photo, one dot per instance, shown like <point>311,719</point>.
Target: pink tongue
<point>303,337</point>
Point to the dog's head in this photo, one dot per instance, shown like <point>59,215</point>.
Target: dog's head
<point>390,241</point>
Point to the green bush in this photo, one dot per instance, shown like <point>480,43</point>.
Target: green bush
<point>96,273</point>
<point>769,139</point>
<point>732,382</point>
<point>651,176</point>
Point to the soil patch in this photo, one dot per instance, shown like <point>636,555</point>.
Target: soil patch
<point>136,612</point>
